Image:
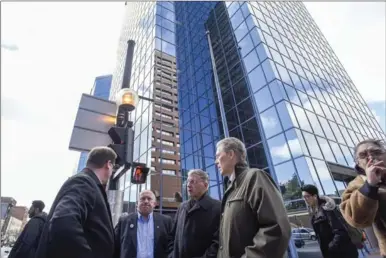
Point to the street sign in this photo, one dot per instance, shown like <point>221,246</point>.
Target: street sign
<point>94,118</point>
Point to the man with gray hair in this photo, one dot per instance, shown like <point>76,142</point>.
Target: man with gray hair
<point>254,222</point>
<point>197,220</point>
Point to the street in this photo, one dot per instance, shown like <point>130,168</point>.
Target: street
<point>309,250</point>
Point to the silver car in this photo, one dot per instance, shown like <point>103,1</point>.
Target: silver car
<point>304,234</point>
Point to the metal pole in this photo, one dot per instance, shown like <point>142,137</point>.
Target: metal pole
<point>128,64</point>
<point>115,195</point>
<point>218,89</point>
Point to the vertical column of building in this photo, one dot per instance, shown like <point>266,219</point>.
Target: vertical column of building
<point>165,137</point>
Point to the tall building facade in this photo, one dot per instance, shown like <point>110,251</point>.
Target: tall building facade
<point>278,87</point>
<point>156,123</point>
<point>100,89</point>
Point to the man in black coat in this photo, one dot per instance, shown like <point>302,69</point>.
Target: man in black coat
<point>333,238</point>
<point>27,242</point>
<point>79,224</point>
<point>196,225</point>
<point>144,234</point>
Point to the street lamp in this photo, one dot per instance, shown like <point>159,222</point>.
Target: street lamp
<point>127,99</point>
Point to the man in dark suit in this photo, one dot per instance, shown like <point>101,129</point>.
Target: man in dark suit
<point>79,224</point>
<point>144,234</point>
<point>196,226</point>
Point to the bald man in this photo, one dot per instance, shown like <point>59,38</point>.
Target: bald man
<point>144,234</point>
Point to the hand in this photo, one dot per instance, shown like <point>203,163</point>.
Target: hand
<point>375,172</point>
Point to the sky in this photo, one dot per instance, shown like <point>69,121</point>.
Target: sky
<point>52,52</point>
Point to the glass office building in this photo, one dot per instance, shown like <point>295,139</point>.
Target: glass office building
<point>278,87</point>
<point>100,89</point>
<point>154,75</point>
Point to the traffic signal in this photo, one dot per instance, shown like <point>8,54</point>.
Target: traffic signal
<point>118,136</point>
<point>139,173</point>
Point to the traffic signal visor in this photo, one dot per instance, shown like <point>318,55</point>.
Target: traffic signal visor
<point>139,174</point>
<point>117,135</point>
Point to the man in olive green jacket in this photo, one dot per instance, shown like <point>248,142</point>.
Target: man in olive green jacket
<point>254,222</point>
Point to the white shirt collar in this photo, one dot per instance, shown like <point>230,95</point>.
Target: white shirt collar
<point>141,217</point>
<point>232,177</point>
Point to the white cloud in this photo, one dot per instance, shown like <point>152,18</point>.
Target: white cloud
<point>9,46</point>
<point>282,151</point>
<point>269,122</point>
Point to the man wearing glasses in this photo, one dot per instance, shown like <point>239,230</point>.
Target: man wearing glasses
<point>364,200</point>
<point>197,221</point>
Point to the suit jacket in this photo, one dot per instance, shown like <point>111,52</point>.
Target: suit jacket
<point>196,229</point>
<point>79,224</point>
<point>254,223</point>
<point>126,236</point>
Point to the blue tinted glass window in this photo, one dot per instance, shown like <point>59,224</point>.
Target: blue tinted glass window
<point>292,95</point>
<point>233,8</point>
<point>303,171</point>
<point>338,153</point>
<point>256,41</point>
<point>302,118</point>
<point>314,123</point>
<point>325,177</point>
<point>236,19</point>
<point>284,115</point>
<point>269,75</point>
<point>250,23</point>
<point>313,145</point>
<point>244,9</point>
<point>326,128</point>
<point>277,90</point>
<point>279,149</point>
<point>246,45</point>
<point>261,52</point>
<point>347,155</point>
<point>305,101</point>
<point>168,35</point>
<point>251,61</point>
<point>325,147</point>
<point>241,31</point>
<point>263,99</point>
<point>270,122</point>
<point>288,183</point>
<point>293,143</point>
<point>257,79</point>
<point>168,48</point>
<point>256,156</point>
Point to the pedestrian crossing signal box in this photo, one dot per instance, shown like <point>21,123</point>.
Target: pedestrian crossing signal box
<point>139,173</point>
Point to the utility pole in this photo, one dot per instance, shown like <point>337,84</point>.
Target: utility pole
<point>122,136</point>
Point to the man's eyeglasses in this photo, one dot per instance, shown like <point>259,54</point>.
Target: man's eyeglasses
<point>374,152</point>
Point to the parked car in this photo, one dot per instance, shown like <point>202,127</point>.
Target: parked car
<point>304,234</point>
